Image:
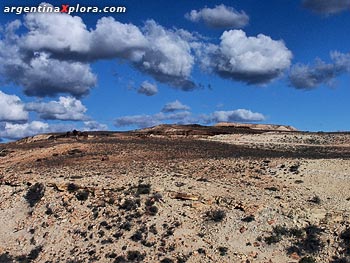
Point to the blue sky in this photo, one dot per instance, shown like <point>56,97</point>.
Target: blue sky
<point>282,62</point>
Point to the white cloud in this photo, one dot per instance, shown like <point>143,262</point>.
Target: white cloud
<point>112,39</point>
<point>47,48</point>
<point>28,59</point>
<point>168,57</point>
<point>186,117</point>
<point>219,17</point>
<point>48,31</point>
<point>46,61</point>
<point>16,131</point>
<point>163,54</point>
<point>254,60</point>
<point>12,108</point>
<point>38,73</point>
<point>328,7</point>
<point>239,115</point>
<point>47,77</point>
<point>308,77</point>
<point>94,126</point>
<point>140,121</point>
<point>66,108</point>
<point>175,106</point>
<point>148,89</point>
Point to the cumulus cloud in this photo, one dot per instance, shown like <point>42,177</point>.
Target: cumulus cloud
<point>328,7</point>
<point>44,76</point>
<point>148,89</point>
<point>219,17</point>
<point>168,57</point>
<point>66,108</point>
<point>94,126</point>
<point>173,112</point>
<point>110,38</point>
<point>309,77</point>
<point>175,106</point>
<point>12,108</point>
<point>240,115</point>
<point>47,61</point>
<point>46,32</point>
<point>37,72</point>
<point>15,130</point>
<point>186,117</point>
<point>253,60</point>
<point>140,121</point>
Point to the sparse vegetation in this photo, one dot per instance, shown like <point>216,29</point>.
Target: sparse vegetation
<point>272,189</point>
<point>316,200</point>
<point>136,237</point>
<point>82,195</point>
<point>3,152</point>
<point>306,240</point>
<point>345,235</point>
<point>143,189</point>
<point>71,187</point>
<point>152,210</point>
<point>248,219</point>
<point>167,260</point>
<point>294,168</point>
<point>35,193</point>
<point>223,251</point>
<point>216,215</point>
<point>278,232</point>
<point>34,253</point>
<point>129,204</point>
<point>6,258</point>
<point>115,211</point>
<point>135,256</point>
<point>307,260</point>
<point>120,259</point>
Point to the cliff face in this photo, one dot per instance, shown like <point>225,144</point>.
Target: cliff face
<point>175,194</point>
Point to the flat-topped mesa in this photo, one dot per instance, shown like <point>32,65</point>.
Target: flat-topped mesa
<point>193,129</point>
<point>265,127</point>
<point>75,134</point>
<point>167,130</point>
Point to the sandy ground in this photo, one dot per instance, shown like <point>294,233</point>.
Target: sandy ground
<point>267,197</point>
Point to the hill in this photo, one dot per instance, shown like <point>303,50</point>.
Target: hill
<point>176,193</point>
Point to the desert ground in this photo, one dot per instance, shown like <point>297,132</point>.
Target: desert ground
<point>177,193</point>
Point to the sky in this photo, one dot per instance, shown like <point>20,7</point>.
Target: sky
<point>281,62</point>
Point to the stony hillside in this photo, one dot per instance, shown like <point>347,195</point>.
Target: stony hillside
<point>176,194</point>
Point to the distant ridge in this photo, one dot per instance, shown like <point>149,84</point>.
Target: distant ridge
<point>219,128</point>
<point>170,130</point>
<point>269,127</point>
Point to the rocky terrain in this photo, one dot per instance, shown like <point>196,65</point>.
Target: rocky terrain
<point>226,193</point>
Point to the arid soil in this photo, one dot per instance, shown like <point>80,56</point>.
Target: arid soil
<point>176,194</point>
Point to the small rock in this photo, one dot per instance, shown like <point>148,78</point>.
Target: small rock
<point>242,229</point>
<point>295,256</point>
